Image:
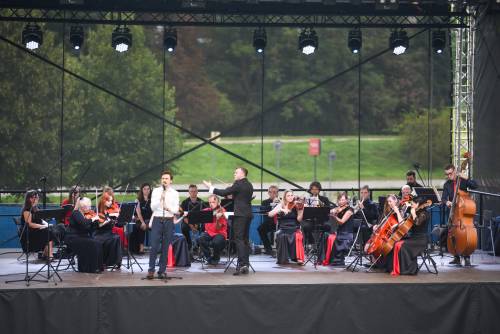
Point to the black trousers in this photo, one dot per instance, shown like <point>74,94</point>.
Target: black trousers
<point>264,229</point>
<point>217,242</point>
<point>186,232</point>
<point>241,230</point>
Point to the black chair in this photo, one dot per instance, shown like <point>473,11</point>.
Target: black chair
<point>486,226</point>
<point>65,253</point>
<point>427,261</point>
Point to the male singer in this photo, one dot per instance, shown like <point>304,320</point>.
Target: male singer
<point>164,204</point>
<point>242,191</point>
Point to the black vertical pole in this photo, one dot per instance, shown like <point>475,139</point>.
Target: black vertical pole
<point>429,112</point>
<point>262,124</point>
<point>61,128</point>
<point>359,121</point>
<point>163,103</point>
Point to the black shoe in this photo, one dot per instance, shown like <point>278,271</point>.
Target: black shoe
<point>150,275</point>
<point>467,262</point>
<point>244,270</point>
<point>456,260</point>
<point>268,252</point>
<point>162,276</point>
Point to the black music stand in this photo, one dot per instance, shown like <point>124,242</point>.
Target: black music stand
<point>58,216</point>
<point>317,216</point>
<point>127,213</point>
<point>200,218</point>
<point>426,193</point>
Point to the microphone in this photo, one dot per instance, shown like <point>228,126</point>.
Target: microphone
<point>43,179</point>
<point>164,187</point>
<point>416,165</point>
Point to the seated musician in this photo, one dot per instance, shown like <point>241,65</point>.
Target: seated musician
<point>143,213</point>
<point>268,224</point>
<point>192,203</point>
<point>449,190</point>
<point>405,193</point>
<point>337,243</point>
<point>289,238</point>
<point>110,241</point>
<point>34,234</point>
<point>114,211</point>
<point>215,234</point>
<point>79,237</point>
<point>367,211</point>
<point>402,260</point>
<point>314,200</point>
<point>73,196</point>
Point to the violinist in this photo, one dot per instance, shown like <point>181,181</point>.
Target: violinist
<point>402,260</point>
<point>314,200</point>
<point>34,231</point>
<point>449,190</point>
<point>289,238</point>
<point>405,193</point>
<point>337,243</point>
<point>215,234</point>
<point>112,249</point>
<point>192,203</point>
<point>143,214</point>
<point>78,237</point>
<point>73,196</point>
<point>114,211</point>
<point>268,224</point>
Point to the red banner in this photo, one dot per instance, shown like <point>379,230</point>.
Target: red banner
<point>314,147</point>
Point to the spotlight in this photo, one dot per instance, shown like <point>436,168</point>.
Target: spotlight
<point>354,40</point>
<point>438,41</point>
<point>259,39</point>
<point>399,42</point>
<point>308,41</point>
<point>121,39</point>
<point>170,39</point>
<point>76,37</point>
<point>32,36</point>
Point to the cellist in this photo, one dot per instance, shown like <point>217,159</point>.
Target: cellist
<point>449,191</point>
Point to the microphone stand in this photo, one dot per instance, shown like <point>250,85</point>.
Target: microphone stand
<point>417,169</point>
<point>130,263</point>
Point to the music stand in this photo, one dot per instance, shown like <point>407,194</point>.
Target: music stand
<point>317,216</point>
<point>426,193</point>
<point>48,214</point>
<point>127,212</point>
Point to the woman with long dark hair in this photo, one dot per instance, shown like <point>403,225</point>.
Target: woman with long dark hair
<point>142,215</point>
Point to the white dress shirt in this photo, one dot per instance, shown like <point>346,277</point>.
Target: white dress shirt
<point>170,205</point>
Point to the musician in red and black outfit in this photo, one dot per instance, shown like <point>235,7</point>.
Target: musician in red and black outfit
<point>402,260</point>
<point>215,234</point>
<point>110,241</point>
<point>338,243</point>
<point>289,238</point>
<point>73,196</point>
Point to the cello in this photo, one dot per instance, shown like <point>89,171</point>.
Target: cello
<point>462,234</point>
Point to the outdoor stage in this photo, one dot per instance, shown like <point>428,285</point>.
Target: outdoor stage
<point>275,299</point>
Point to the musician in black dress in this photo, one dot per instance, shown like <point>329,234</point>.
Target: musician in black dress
<point>242,191</point>
<point>79,237</point>
<point>33,231</point>
<point>402,260</point>
<point>268,224</point>
<point>192,203</point>
<point>368,211</point>
<point>449,190</point>
<point>314,200</point>
<point>143,213</point>
<point>112,248</point>
<point>337,244</point>
<point>289,239</point>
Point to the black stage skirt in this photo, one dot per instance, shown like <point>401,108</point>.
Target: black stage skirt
<point>38,239</point>
<point>289,243</point>
<point>334,247</point>
<point>402,260</point>
<point>178,252</point>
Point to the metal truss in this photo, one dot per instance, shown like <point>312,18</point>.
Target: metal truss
<point>462,138</point>
<point>377,20</point>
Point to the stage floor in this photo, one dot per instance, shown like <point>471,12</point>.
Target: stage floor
<point>485,269</point>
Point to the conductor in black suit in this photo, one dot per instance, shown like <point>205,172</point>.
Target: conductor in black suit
<point>242,191</point>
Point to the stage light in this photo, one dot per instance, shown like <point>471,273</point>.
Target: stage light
<point>170,39</point>
<point>121,39</point>
<point>399,42</point>
<point>438,41</point>
<point>354,40</point>
<point>259,39</point>
<point>32,36</point>
<point>308,41</point>
<point>76,37</point>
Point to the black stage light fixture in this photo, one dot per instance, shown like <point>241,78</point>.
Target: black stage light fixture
<point>438,41</point>
<point>170,39</point>
<point>308,41</point>
<point>354,41</point>
<point>259,39</point>
<point>32,36</point>
<point>121,39</point>
<point>76,37</point>
<point>399,42</point>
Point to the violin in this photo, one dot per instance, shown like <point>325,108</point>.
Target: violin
<point>89,214</point>
<point>298,204</point>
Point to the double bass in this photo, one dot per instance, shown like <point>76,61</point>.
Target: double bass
<point>462,234</point>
